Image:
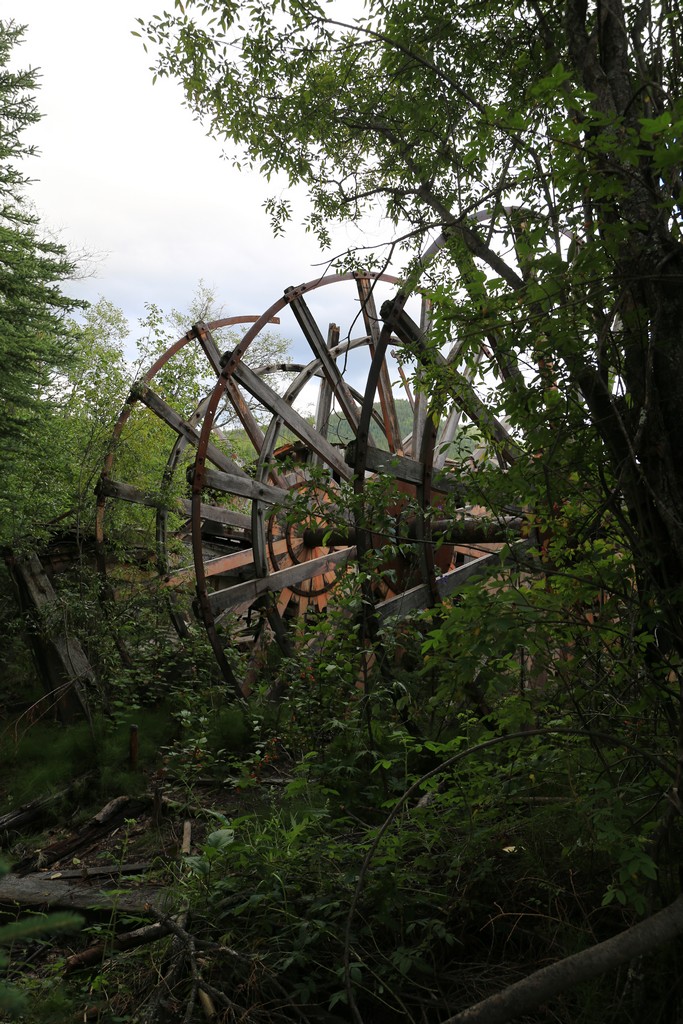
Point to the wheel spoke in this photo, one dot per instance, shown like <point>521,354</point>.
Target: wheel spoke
<point>449,583</point>
<point>296,423</point>
<point>420,403</point>
<point>245,415</point>
<point>462,389</point>
<point>386,395</point>
<point>324,404</point>
<point>320,350</point>
<point>283,600</point>
<point>144,394</point>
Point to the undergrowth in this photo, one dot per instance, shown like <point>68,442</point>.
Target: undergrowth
<point>46,757</point>
<point>398,835</point>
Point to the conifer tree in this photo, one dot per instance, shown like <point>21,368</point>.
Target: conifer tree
<point>35,329</point>
<point>36,325</point>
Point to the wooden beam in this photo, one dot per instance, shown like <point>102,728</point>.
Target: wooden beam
<point>61,661</point>
<point>126,492</point>
<point>248,592</point>
<point>47,889</point>
<point>223,564</point>
<point>319,348</point>
<point>243,487</point>
<point>329,455</point>
<point>419,597</point>
<point>385,393</point>
<point>460,389</point>
<point>142,393</point>
<point>402,468</point>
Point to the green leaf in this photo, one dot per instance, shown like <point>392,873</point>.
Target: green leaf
<point>220,839</point>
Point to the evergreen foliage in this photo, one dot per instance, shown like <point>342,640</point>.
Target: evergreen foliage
<point>36,330</point>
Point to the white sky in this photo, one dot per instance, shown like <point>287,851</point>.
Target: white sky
<point>126,174</point>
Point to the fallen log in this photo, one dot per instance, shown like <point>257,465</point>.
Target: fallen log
<point>29,812</point>
<point>108,818</point>
<point>117,943</point>
<point>541,986</point>
<point>46,889</point>
<point>105,871</point>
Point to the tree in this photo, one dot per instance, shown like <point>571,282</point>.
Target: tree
<point>36,329</point>
<point>543,139</point>
<point>92,393</point>
<point>542,142</point>
<point>190,378</point>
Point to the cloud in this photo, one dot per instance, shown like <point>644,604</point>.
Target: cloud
<point>126,174</point>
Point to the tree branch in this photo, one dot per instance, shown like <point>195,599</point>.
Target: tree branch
<point>543,985</point>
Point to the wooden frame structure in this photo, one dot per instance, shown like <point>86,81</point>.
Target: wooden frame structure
<point>268,534</point>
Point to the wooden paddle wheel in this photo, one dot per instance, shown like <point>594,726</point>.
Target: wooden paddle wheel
<point>332,477</point>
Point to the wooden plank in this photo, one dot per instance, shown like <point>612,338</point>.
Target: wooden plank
<point>331,456</point>
<point>108,488</point>
<point>248,592</point>
<point>126,492</point>
<point>328,365</point>
<point>113,870</point>
<point>28,812</point>
<point>214,514</point>
<point>407,389</point>
<point>446,437</point>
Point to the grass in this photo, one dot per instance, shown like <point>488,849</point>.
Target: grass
<point>42,758</point>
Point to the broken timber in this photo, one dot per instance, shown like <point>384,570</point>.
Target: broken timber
<point>92,888</point>
<point>60,659</point>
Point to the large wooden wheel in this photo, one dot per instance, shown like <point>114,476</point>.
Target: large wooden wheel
<point>302,536</point>
<point>333,476</point>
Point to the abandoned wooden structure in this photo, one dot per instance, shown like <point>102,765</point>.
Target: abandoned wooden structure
<point>60,660</point>
<point>271,533</point>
